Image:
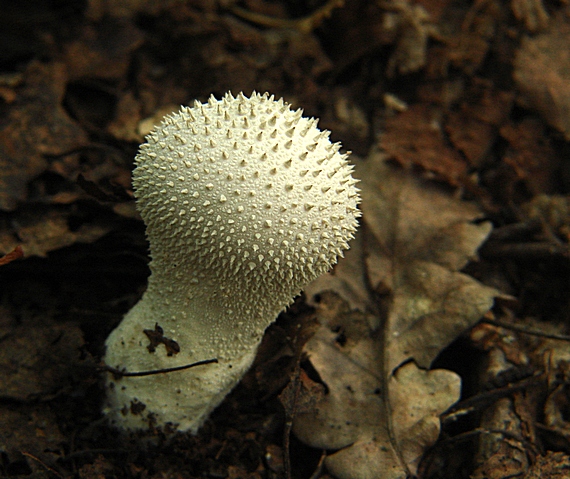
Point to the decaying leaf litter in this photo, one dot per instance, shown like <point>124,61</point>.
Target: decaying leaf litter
<point>463,155</point>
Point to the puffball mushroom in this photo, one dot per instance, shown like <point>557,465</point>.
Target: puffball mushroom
<point>245,202</point>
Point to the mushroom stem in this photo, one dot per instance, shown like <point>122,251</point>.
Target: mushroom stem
<point>210,330</point>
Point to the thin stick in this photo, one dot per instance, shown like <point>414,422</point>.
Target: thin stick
<point>522,329</point>
<point>120,374</point>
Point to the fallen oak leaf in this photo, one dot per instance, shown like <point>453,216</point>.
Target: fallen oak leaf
<point>421,237</point>
<point>382,409</point>
<point>380,425</point>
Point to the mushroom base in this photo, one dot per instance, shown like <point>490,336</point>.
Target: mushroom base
<point>181,399</point>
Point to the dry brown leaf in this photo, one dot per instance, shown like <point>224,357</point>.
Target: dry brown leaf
<point>100,468</point>
<point>383,406</point>
<point>531,156</point>
<point>553,211</point>
<point>424,238</point>
<point>103,50</point>
<point>416,137</point>
<point>13,255</point>
<point>41,231</point>
<point>347,278</point>
<point>532,13</point>
<point>554,465</point>
<point>36,124</point>
<point>542,73</point>
<point>377,433</point>
<point>33,430</point>
<point>469,48</point>
<point>35,361</point>
<point>414,27</point>
<point>473,127</point>
<point>127,118</point>
<point>99,9</point>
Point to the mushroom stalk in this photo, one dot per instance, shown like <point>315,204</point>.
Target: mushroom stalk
<point>245,202</point>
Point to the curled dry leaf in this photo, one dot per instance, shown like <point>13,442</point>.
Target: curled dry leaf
<point>13,255</point>
<point>383,406</point>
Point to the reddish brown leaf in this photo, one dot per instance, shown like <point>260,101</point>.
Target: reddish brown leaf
<point>415,137</point>
<point>16,253</point>
<point>473,128</point>
<point>530,155</point>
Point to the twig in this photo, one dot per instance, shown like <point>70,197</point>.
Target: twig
<point>303,25</point>
<point>319,469</point>
<point>120,373</point>
<point>476,402</point>
<point>289,416</point>
<point>43,464</point>
<point>532,332</point>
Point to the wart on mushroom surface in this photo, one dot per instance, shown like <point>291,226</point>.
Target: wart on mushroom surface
<point>245,202</point>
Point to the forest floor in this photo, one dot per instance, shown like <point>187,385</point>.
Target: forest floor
<point>438,348</point>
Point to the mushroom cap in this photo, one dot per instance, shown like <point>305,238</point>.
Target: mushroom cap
<point>247,197</point>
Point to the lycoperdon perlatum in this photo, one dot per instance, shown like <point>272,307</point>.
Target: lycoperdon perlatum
<point>245,202</point>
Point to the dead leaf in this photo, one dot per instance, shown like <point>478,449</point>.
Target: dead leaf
<point>383,405</point>
<point>301,395</point>
<point>103,51</point>
<point>347,278</point>
<point>424,237</point>
<point>100,468</point>
<point>13,255</point>
<point>470,47</point>
<point>542,71</point>
<point>414,27</point>
<point>127,118</point>
<point>531,156</point>
<point>553,465</point>
<point>553,211</point>
<point>381,425</point>
<point>33,430</point>
<point>532,13</point>
<point>43,230</point>
<point>416,137</point>
<point>473,128</point>
<point>99,9</point>
<point>36,124</point>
